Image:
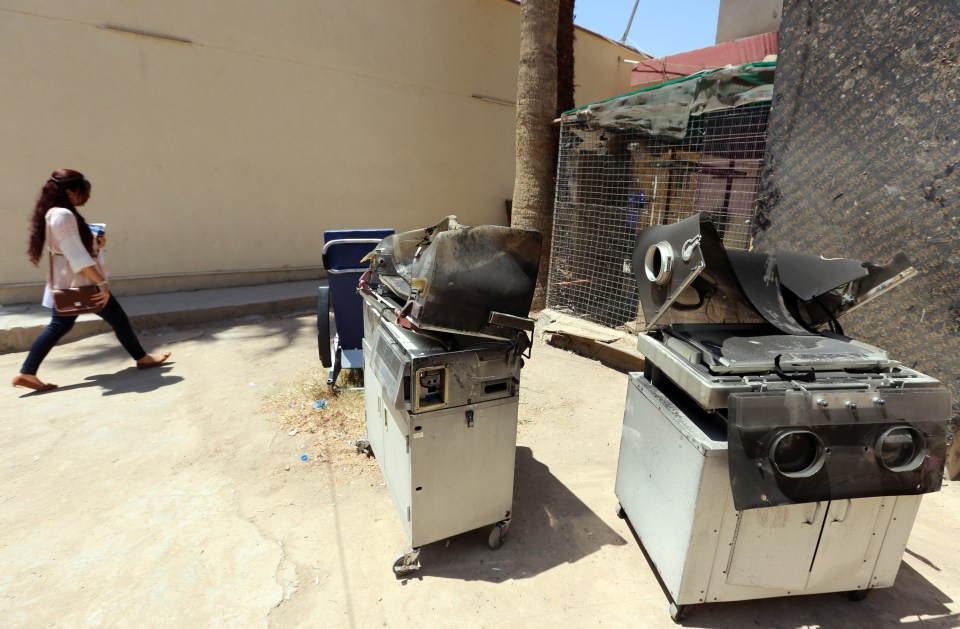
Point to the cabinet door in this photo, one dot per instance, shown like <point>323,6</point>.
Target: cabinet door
<point>462,468</point>
<point>774,546</point>
<point>852,535</point>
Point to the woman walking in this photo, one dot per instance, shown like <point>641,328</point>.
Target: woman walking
<point>57,223</point>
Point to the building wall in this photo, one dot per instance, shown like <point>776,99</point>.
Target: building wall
<point>743,18</point>
<point>221,160</point>
<point>863,156</point>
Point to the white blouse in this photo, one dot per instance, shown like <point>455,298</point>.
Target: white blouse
<point>69,254</point>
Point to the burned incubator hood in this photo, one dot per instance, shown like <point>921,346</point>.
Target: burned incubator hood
<point>809,415</point>
<point>462,280</point>
<point>684,275</point>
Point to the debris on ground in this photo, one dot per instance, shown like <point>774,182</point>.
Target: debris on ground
<point>295,410</point>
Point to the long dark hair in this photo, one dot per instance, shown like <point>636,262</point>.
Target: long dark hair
<point>54,194</point>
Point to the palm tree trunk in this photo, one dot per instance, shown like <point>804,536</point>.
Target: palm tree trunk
<point>565,39</point>
<point>536,140</point>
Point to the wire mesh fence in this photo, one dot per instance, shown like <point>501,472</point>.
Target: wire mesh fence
<point>612,183</point>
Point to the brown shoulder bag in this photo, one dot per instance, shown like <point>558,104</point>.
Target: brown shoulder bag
<point>70,302</point>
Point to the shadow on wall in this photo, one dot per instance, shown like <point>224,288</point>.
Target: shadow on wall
<point>550,527</point>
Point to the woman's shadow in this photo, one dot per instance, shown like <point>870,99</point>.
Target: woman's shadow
<point>550,527</point>
<point>133,380</point>
<point>129,380</point>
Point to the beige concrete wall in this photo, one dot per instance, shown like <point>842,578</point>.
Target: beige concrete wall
<point>226,156</point>
<point>743,18</point>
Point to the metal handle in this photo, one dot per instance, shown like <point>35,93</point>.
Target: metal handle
<point>345,241</point>
<point>848,504</point>
<point>816,515</point>
<point>350,241</point>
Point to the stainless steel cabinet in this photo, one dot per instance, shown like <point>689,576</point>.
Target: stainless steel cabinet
<point>442,424</point>
<point>673,485</point>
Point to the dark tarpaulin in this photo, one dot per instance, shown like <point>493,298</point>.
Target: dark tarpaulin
<point>664,110</point>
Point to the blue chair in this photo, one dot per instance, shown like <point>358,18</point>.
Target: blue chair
<point>342,251</point>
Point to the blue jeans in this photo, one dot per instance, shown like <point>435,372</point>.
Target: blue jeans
<point>59,325</point>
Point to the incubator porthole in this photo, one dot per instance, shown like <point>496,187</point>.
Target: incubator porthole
<point>797,453</point>
<point>658,263</point>
<point>900,449</point>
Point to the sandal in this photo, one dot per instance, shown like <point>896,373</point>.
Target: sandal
<point>20,381</point>
<point>153,362</point>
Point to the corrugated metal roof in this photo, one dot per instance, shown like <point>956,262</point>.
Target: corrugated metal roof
<point>737,52</point>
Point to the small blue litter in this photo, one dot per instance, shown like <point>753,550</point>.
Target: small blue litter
<point>304,457</point>
<point>319,404</point>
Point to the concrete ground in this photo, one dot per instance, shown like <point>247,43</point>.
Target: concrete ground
<point>173,497</point>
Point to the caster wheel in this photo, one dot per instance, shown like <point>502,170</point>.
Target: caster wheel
<point>497,535</point>
<point>620,512</point>
<point>857,595</point>
<point>407,562</point>
<point>678,612</point>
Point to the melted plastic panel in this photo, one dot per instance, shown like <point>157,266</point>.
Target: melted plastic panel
<point>685,275</point>
<point>873,281</point>
<point>804,446</point>
<point>395,254</point>
<point>471,272</point>
<point>452,277</point>
<point>759,276</point>
<point>809,276</point>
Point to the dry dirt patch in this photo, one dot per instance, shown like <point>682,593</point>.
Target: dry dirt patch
<point>327,423</point>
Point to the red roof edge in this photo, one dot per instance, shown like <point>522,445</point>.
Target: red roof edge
<point>737,52</point>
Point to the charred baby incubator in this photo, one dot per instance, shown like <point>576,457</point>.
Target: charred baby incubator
<point>760,456</point>
<point>445,332</point>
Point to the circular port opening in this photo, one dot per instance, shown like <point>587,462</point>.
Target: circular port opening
<point>797,453</point>
<point>658,263</point>
<point>901,449</point>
